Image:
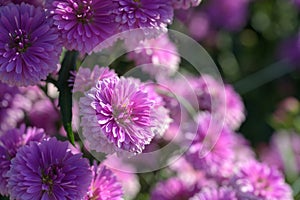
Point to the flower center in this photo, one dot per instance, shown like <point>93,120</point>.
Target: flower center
<point>84,12</point>
<point>19,40</point>
<point>122,114</point>
<point>48,177</point>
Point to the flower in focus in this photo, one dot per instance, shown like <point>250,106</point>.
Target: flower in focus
<point>10,142</point>
<point>36,3</point>
<point>83,25</point>
<point>160,53</point>
<point>222,193</point>
<point>85,79</point>
<point>104,186</point>
<point>29,45</point>
<point>258,181</point>
<point>119,115</point>
<point>48,170</point>
<point>173,189</point>
<point>152,16</point>
<point>185,4</point>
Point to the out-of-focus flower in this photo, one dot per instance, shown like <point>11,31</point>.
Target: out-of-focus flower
<point>44,115</point>
<point>258,181</point>
<point>219,99</point>
<point>29,45</point>
<point>86,78</point>
<point>185,4</point>
<point>152,16</point>
<point>12,106</point>
<point>283,152</point>
<point>83,25</point>
<point>119,115</point>
<point>289,50</point>
<point>209,193</point>
<point>32,2</point>
<point>48,170</point>
<point>104,186</point>
<point>159,55</point>
<point>233,12</point>
<point>10,142</point>
<point>126,175</point>
<point>212,145</point>
<point>173,189</point>
<point>199,26</point>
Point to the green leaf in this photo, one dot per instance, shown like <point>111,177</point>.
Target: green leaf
<point>65,92</point>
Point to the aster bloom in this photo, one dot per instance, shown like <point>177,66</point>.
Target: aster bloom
<point>222,193</point>
<point>185,4</point>
<point>151,15</point>
<point>104,186</point>
<point>83,24</point>
<point>29,45</point>
<point>159,53</point>
<point>258,181</point>
<point>12,106</point>
<point>32,2</point>
<point>173,189</point>
<point>118,115</point>
<point>211,146</point>
<point>86,78</point>
<point>48,170</point>
<point>10,142</point>
<point>219,99</point>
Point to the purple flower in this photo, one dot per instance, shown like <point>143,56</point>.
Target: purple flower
<point>258,181</point>
<point>219,99</point>
<point>12,106</point>
<point>212,145</point>
<point>83,25</point>
<point>159,55</point>
<point>185,4</point>
<point>233,12</point>
<point>29,45</point>
<point>120,115</point>
<point>173,189</point>
<point>289,50</point>
<point>222,193</point>
<point>32,2</point>
<point>150,15</point>
<point>48,170</point>
<point>85,79</point>
<point>10,142</point>
<point>104,186</point>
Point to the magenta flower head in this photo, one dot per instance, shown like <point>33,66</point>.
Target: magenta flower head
<point>32,2</point>
<point>104,186</point>
<point>10,142</point>
<point>258,181</point>
<point>48,170</point>
<point>29,45</point>
<point>83,24</point>
<point>151,15</point>
<point>120,115</point>
<point>185,4</point>
<point>173,189</point>
<point>222,193</point>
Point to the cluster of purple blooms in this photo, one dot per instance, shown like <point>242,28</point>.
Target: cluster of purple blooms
<point>119,115</point>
